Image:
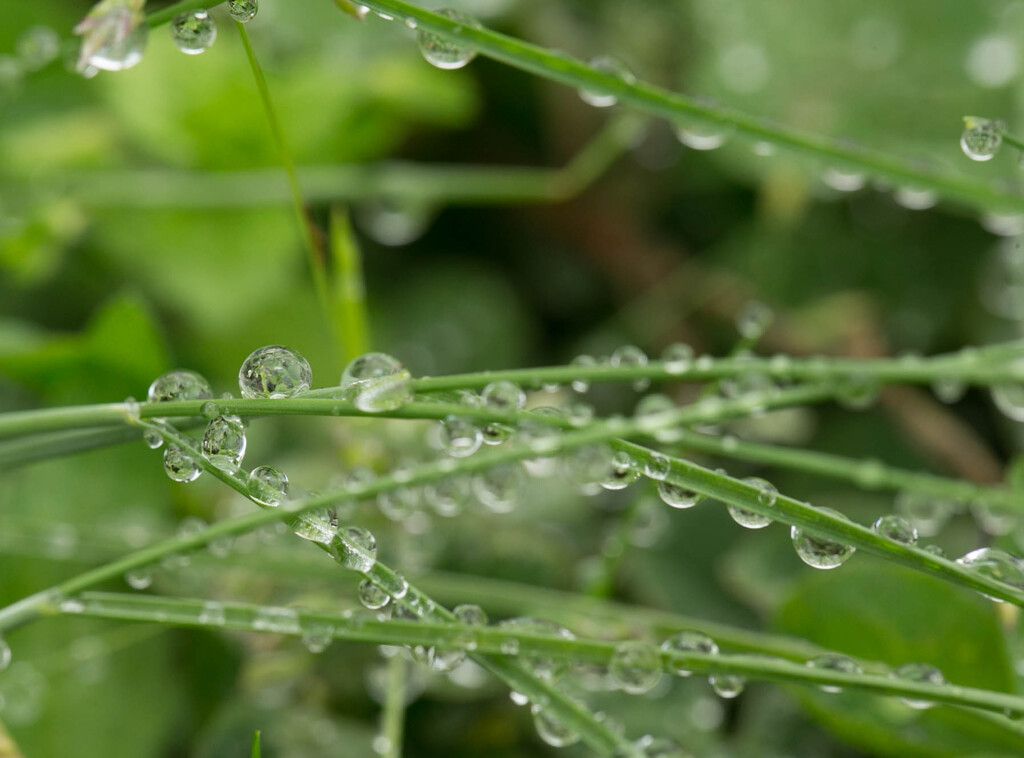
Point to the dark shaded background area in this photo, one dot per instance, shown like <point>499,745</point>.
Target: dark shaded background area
<point>100,293</point>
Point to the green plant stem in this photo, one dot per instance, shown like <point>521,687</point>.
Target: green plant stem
<point>657,101</point>
<point>490,640</point>
<point>316,257</point>
<point>393,716</point>
<point>866,473</point>
<point>431,184</point>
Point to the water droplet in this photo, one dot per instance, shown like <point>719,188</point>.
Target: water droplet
<point>37,47</point>
<point>657,467</point>
<point>621,471</point>
<point>981,138</point>
<point>922,673</point>
<point>395,585</point>
<point>139,578</point>
<point>753,320</point>
<point>503,396</point>
<point>460,437</point>
<point>926,513</point>
<point>359,549</point>
<point>915,199</point>
<point>399,504</point>
<point>274,371</point>
<point>499,487</point>
<point>372,596</point>
<point>630,356</point>
<point>844,181</point>
<point>277,620</point>
<point>470,615</point>
<point>580,414</point>
<point>224,442</point>
<point>243,10</point>
<point>652,747</point>
<point>727,686</point>
<point>315,527</point>
<point>678,496</point>
<point>752,519</point>
<point>949,390</point>
<point>448,496</point>
<point>377,382</point>
<point>510,647</point>
<point>267,485</point>
<point>552,729</point>
<point>606,64</point>
<point>655,415</point>
<point>689,642</point>
<point>152,439</point>
<point>820,552</point>
<point>895,528</point>
<point>1009,399</point>
<point>997,522</point>
<point>180,466</point>
<point>444,52</point>
<point>316,635</point>
<point>995,564</point>
<point>858,392</point>
<point>582,361</point>
<point>112,41</point>
<point>5,654</point>
<point>179,385</point>
<point>548,669</point>
<point>700,136</point>
<point>213,614</point>
<point>635,667</point>
<point>677,358</point>
<point>194,32</point>
<point>835,662</point>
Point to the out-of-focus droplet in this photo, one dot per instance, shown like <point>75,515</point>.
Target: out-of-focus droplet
<point>377,382</point>
<point>606,64</point>
<point>921,673</point>
<point>635,667</point>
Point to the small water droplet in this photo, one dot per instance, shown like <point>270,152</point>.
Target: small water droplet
<point>922,673</point>
<point>635,667</point>
<point>180,466</point>
<point>213,614</point>
<point>243,11</point>
<point>193,32</point>
<point>152,439</point>
<point>820,552</point>
<point>981,138</point>
<point>844,181</point>
<point>606,64</point>
<point>630,356</point>
<point>582,361</point>
<point>224,442</point>
<point>895,528</point>
<point>657,467</point>
<point>552,729</point>
<point>949,390</point>
<point>267,485</point>
<point>139,578</point>
<point>276,620</point>
<point>689,642</point>
<point>460,437</point>
<point>766,496</point>
<point>753,320</point>
<point>834,662</point>
<point>727,686</point>
<point>677,496</point>
<point>677,358</point>
<point>179,385</point>
<point>377,382</point>
<point>701,136</point>
<point>274,371</point>
<point>372,596</point>
<point>445,52</point>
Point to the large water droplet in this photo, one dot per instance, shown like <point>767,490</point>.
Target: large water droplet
<point>606,64</point>
<point>112,41</point>
<point>224,442</point>
<point>922,673</point>
<point>180,466</point>
<point>274,371</point>
<point>995,564</point>
<point>444,52</point>
<point>359,550</point>
<point>635,667</point>
<point>179,385</point>
<point>377,382</point>
<point>372,596</point>
<point>895,528</point>
<point>677,496</point>
<point>194,32</point>
<point>552,729</point>
<point>267,485</point>
<point>981,138</point>
<point>243,10</point>
<point>820,552</point>
<point>689,642</point>
<point>460,437</point>
<point>315,527</point>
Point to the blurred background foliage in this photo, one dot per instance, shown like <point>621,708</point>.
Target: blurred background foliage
<point>97,297</point>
